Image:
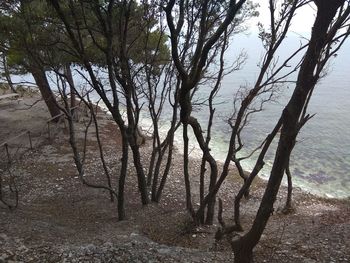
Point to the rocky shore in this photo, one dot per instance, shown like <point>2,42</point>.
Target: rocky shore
<point>60,220</point>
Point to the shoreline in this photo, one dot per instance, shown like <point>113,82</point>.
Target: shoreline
<point>195,153</point>
<point>312,187</point>
<point>58,216</point>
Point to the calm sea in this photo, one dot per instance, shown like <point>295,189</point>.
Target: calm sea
<point>320,162</point>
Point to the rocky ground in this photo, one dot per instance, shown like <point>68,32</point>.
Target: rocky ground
<point>60,220</point>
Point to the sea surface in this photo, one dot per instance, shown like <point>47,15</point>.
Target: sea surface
<point>320,162</point>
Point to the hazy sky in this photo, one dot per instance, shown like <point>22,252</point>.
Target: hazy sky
<point>301,23</point>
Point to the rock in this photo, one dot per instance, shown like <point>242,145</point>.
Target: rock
<point>134,234</point>
<point>4,237</point>
<point>23,248</point>
<point>164,250</point>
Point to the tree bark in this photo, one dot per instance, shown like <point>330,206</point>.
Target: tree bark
<point>288,206</point>
<point>7,73</point>
<point>46,92</point>
<point>69,75</point>
<point>243,247</point>
<point>186,171</point>
<point>123,171</point>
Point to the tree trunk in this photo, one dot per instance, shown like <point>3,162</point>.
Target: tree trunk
<point>99,143</point>
<point>151,166</point>
<point>170,145</point>
<point>69,75</point>
<point>207,157</point>
<point>141,179</point>
<point>243,254</point>
<point>123,171</point>
<point>244,177</point>
<point>166,170</point>
<point>201,189</point>
<point>186,171</point>
<point>156,174</point>
<point>243,247</point>
<point>7,73</point>
<point>45,90</point>
<point>288,207</point>
<point>257,167</point>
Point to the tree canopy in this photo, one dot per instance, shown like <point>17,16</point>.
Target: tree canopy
<point>156,56</point>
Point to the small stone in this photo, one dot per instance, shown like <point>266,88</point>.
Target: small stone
<point>4,237</point>
<point>134,234</point>
<point>23,247</point>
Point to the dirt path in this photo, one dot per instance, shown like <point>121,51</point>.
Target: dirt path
<point>20,115</point>
<point>60,220</point>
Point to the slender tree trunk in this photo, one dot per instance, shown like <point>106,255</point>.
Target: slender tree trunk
<point>213,170</point>
<point>288,206</point>
<point>69,75</point>
<point>7,73</point>
<point>186,170</point>
<point>121,185</point>
<point>142,183</point>
<point>156,174</point>
<point>170,144</point>
<point>166,170</point>
<point>151,165</point>
<point>158,153</point>
<point>201,188</point>
<point>104,165</point>
<point>244,177</point>
<point>243,247</point>
<point>211,204</point>
<point>45,90</point>
<point>258,166</point>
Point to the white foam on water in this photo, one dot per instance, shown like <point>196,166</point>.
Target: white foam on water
<point>321,159</point>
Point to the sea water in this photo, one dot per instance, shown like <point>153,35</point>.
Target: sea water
<point>320,161</point>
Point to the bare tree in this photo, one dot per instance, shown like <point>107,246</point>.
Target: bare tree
<point>80,153</point>
<point>268,81</point>
<point>203,30</point>
<point>134,78</point>
<point>326,38</point>
<point>119,72</point>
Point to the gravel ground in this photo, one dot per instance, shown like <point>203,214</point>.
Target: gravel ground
<point>60,220</point>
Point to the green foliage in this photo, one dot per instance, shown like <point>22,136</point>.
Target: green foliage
<point>33,35</point>
<point>144,41</point>
<point>25,37</point>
